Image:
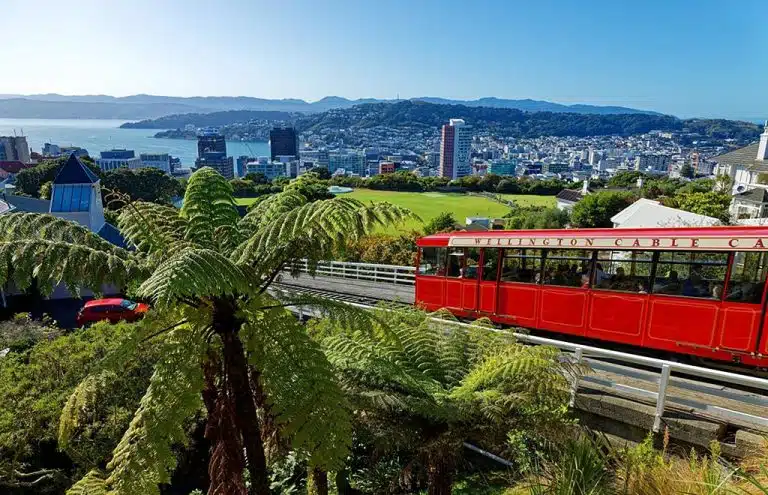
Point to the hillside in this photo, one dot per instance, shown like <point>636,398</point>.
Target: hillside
<point>410,115</point>
<point>504,121</point>
<point>137,107</point>
<point>214,119</point>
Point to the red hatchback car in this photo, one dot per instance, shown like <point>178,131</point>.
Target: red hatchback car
<point>112,309</point>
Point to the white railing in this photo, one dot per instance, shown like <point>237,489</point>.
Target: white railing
<point>606,361</point>
<point>663,378</point>
<point>387,274</point>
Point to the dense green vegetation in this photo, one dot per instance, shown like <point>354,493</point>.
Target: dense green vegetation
<point>143,184</point>
<point>511,122</point>
<point>214,119</point>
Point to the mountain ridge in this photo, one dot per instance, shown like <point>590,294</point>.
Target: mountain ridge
<point>144,106</point>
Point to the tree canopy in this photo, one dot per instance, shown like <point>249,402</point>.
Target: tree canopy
<point>596,210</point>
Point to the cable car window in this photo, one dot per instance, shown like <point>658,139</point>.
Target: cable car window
<point>471,263</point>
<point>691,274</point>
<point>567,267</point>
<point>432,261</point>
<point>747,277</point>
<point>455,262</point>
<point>521,265</point>
<point>626,271</point>
<point>490,264</point>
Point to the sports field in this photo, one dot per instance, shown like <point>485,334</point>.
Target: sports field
<point>428,205</point>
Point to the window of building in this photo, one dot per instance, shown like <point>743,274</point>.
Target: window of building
<point>521,265</point>
<point>432,261</point>
<point>691,274</point>
<point>490,264</point>
<point>567,267</point>
<point>747,277</point>
<point>627,271</point>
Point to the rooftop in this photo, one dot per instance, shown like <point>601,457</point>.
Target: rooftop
<point>74,172</point>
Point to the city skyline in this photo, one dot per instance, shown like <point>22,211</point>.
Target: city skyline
<point>681,58</point>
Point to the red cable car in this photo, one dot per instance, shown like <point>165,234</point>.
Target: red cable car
<point>698,291</point>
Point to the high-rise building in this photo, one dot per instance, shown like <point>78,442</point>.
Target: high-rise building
<point>455,149</point>
<point>160,161</point>
<point>350,162</point>
<point>241,161</point>
<point>212,152</point>
<point>209,141</point>
<point>218,161</point>
<point>118,158</point>
<point>283,141</point>
<point>314,158</point>
<point>14,148</point>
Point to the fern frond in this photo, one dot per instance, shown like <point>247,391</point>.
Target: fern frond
<point>151,227</point>
<point>144,458</point>
<point>268,208</point>
<point>194,274</point>
<point>208,206</point>
<point>55,262</point>
<point>314,231</point>
<point>28,226</point>
<point>92,483</point>
<point>76,410</point>
<point>303,395</point>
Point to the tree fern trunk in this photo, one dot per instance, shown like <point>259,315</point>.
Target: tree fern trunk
<point>439,475</point>
<point>317,484</point>
<point>246,417</point>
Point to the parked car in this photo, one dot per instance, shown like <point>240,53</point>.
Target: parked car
<point>112,309</point>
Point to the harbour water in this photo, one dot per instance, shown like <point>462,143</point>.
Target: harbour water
<point>100,135</point>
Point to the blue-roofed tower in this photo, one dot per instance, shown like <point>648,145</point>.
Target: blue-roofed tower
<point>76,195</point>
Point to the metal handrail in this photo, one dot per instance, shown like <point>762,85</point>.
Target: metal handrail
<point>392,274</point>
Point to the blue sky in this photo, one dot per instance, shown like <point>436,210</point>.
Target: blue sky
<point>685,57</point>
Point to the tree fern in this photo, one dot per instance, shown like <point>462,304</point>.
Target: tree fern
<point>207,274</point>
<point>92,483</point>
<point>444,383</point>
<point>193,274</point>
<point>152,227</point>
<point>143,459</point>
<point>208,206</point>
<point>303,396</point>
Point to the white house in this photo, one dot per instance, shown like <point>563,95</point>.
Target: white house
<point>745,166</point>
<point>649,213</point>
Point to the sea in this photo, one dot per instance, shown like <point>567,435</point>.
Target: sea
<point>101,135</point>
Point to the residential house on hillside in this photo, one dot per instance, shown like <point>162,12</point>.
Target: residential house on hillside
<point>746,167</point>
<point>569,197</point>
<point>650,213</point>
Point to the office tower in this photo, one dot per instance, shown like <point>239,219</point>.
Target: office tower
<point>283,141</point>
<point>455,148</point>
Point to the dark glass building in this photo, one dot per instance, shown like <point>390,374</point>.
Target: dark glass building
<point>210,142</point>
<point>283,142</point>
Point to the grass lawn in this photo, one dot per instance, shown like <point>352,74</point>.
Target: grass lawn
<point>428,205</point>
<point>531,200</point>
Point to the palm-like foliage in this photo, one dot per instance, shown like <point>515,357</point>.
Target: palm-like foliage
<point>229,344</point>
<point>437,386</point>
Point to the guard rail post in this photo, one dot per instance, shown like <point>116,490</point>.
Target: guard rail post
<point>662,397</point>
<point>575,384</point>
